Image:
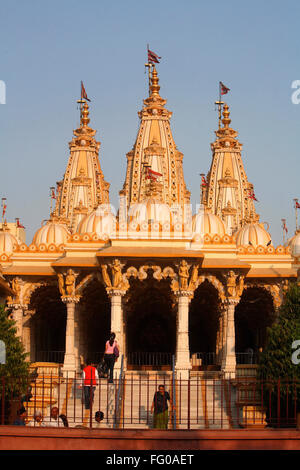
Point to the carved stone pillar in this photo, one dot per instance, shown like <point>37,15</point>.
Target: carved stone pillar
<point>26,336</point>
<point>17,315</point>
<point>221,333</point>
<point>183,362</point>
<point>117,323</point>
<point>70,359</point>
<point>228,356</point>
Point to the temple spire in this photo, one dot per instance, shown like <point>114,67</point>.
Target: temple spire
<point>155,150</point>
<point>229,194</point>
<point>83,187</point>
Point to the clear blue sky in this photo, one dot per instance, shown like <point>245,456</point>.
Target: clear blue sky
<point>47,47</point>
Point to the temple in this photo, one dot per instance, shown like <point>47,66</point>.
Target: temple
<point>201,288</point>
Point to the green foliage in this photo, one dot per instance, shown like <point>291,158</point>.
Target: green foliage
<point>276,360</point>
<point>15,372</point>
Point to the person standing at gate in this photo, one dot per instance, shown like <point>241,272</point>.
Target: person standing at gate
<point>160,408</point>
<point>90,380</point>
<point>111,355</point>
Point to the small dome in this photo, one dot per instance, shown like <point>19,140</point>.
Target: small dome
<point>252,234</point>
<point>51,232</point>
<point>294,244</point>
<point>7,242</point>
<point>150,211</point>
<point>101,221</point>
<point>205,223</point>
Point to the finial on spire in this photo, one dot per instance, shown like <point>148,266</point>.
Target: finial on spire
<point>154,82</point>
<point>83,98</point>
<point>85,115</point>
<point>226,120</point>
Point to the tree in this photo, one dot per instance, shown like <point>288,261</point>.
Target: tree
<point>279,374</point>
<point>14,374</point>
<point>276,359</point>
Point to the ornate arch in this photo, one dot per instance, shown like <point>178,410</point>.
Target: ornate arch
<point>275,290</point>
<point>214,281</point>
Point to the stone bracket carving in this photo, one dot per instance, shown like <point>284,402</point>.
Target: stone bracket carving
<point>66,284</point>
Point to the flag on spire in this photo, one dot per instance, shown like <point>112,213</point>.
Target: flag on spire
<point>284,226</point>
<point>83,93</point>
<point>203,181</point>
<point>297,205</point>
<point>153,175</point>
<point>4,206</point>
<point>18,223</point>
<point>53,196</point>
<point>152,57</point>
<point>223,89</point>
<point>252,195</point>
<point>4,210</point>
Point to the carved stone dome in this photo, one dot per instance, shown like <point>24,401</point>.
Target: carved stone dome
<point>101,221</point>
<point>7,242</point>
<point>206,223</point>
<point>150,211</point>
<point>253,234</point>
<point>52,232</point>
<point>294,245</point>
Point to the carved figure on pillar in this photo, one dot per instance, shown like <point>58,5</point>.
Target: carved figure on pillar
<point>183,275</point>
<point>105,275</point>
<point>240,286</point>
<point>117,274</point>
<point>231,284</point>
<point>70,283</point>
<point>194,278</point>
<point>61,284</point>
<point>16,288</point>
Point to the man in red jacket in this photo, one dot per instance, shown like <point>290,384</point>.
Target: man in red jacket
<point>90,380</point>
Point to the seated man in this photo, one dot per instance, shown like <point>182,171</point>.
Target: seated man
<point>37,420</point>
<point>55,420</point>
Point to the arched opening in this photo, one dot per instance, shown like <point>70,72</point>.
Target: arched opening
<point>204,313</point>
<point>94,321</point>
<point>253,314</point>
<point>48,325</point>
<point>150,317</point>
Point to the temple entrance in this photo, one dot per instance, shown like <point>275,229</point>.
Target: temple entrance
<point>94,322</point>
<point>253,314</point>
<point>48,325</point>
<point>204,313</point>
<point>150,318</point>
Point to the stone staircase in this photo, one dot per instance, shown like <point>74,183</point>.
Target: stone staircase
<point>44,388</point>
<point>207,403</point>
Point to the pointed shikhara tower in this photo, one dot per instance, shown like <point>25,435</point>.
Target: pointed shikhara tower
<point>228,193</point>
<point>83,187</point>
<point>154,162</point>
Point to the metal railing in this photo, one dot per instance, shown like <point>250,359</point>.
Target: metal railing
<point>203,358</point>
<point>154,359</point>
<point>196,403</point>
<point>247,358</point>
<point>50,356</point>
<point>120,392</point>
